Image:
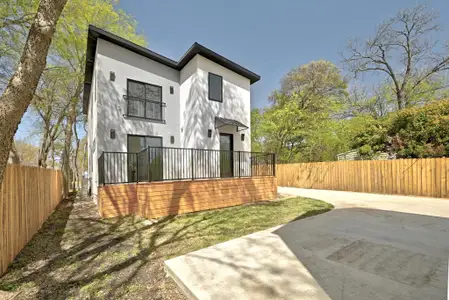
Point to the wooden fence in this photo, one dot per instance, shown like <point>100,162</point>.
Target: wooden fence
<point>418,177</point>
<point>28,195</point>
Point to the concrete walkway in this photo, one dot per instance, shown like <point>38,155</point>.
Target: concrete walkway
<point>370,247</point>
<point>415,205</point>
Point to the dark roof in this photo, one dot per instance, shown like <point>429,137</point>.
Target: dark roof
<point>219,122</point>
<point>94,33</point>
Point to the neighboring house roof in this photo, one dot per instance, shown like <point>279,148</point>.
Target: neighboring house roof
<point>94,33</point>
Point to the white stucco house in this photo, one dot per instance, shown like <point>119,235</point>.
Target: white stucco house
<point>135,98</point>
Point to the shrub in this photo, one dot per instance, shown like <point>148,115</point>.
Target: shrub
<point>414,132</point>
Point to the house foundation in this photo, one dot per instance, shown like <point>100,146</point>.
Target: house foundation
<point>158,199</point>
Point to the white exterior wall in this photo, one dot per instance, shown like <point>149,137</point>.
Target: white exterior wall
<point>198,114</point>
<point>189,114</point>
<point>112,104</point>
<point>129,65</point>
<point>92,136</point>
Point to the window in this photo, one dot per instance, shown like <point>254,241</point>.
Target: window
<point>147,165</point>
<point>215,87</point>
<point>144,100</point>
<point>137,143</point>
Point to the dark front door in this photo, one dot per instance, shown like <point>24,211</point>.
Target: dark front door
<point>226,155</point>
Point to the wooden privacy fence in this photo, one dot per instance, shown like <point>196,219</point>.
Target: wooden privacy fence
<point>28,195</point>
<point>418,177</point>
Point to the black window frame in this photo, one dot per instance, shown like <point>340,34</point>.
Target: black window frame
<point>158,150</point>
<point>162,104</point>
<point>143,136</point>
<point>208,86</point>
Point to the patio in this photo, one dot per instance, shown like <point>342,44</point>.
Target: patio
<point>370,247</point>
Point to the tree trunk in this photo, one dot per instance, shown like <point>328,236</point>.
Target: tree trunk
<point>400,99</point>
<point>14,154</point>
<point>43,153</point>
<point>66,155</point>
<point>52,154</point>
<point>21,87</point>
<point>75,157</point>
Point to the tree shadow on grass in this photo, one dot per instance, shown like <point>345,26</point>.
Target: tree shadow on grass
<point>77,254</point>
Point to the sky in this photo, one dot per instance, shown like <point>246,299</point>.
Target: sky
<point>267,37</point>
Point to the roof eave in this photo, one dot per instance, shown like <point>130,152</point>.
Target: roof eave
<point>94,33</point>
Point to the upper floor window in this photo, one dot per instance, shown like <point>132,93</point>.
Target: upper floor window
<point>144,100</point>
<point>215,87</point>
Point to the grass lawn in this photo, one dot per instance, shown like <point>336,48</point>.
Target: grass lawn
<point>77,255</point>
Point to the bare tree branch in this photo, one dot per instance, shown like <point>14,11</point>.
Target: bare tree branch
<point>401,49</point>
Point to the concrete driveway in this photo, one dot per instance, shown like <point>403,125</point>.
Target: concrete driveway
<point>370,247</point>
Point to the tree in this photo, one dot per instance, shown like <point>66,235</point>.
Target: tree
<point>256,134</point>
<point>51,103</point>
<point>412,132</point>
<point>315,86</point>
<point>376,106</point>
<point>14,155</point>
<point>24,153</point>
<point>69,50</point>
<point>22,85</point>
<point>297,122</point>
<point>401,49</point>
<point>16,17</point>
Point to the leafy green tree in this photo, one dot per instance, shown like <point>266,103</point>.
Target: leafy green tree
<point>414,132</point>
<point>421,131</point>
<point>315,87</point>
<point>298,123</point>
<point>16,17</point>
<point>20,89</point>
<point>69,51</point>
<point>257,138</point>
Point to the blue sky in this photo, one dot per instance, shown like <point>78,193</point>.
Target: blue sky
<point>267,37</point>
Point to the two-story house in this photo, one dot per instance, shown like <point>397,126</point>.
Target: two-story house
<point>137,99</point>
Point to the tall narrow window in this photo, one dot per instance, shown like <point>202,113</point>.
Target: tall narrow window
<point>144,100</point>
<point>215,87</point>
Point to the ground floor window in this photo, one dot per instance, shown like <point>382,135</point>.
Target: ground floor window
<point>137,143</point>
<point>146,165</point>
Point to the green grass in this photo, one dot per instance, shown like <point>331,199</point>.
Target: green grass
<point>77,255</point>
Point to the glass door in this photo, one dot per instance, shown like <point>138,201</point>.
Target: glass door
<point>226,155</point>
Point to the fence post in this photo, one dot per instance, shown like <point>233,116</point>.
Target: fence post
<point>239,164</point>
<point>191,162</point>
<point>273,160</point>
<point>137,167</point>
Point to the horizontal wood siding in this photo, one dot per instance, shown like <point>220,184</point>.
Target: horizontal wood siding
<point>157,199</point>
<point>416,177</point>
<point>28,195</point>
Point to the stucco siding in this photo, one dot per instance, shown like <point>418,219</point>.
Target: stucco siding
<point>200,112</point>
<point>128,65</point>
<point>188,113</point>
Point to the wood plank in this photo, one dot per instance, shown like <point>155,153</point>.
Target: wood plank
<point>28,196</point>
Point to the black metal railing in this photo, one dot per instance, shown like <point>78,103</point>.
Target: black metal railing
<point>146,109</point>
<point>163,163</point>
